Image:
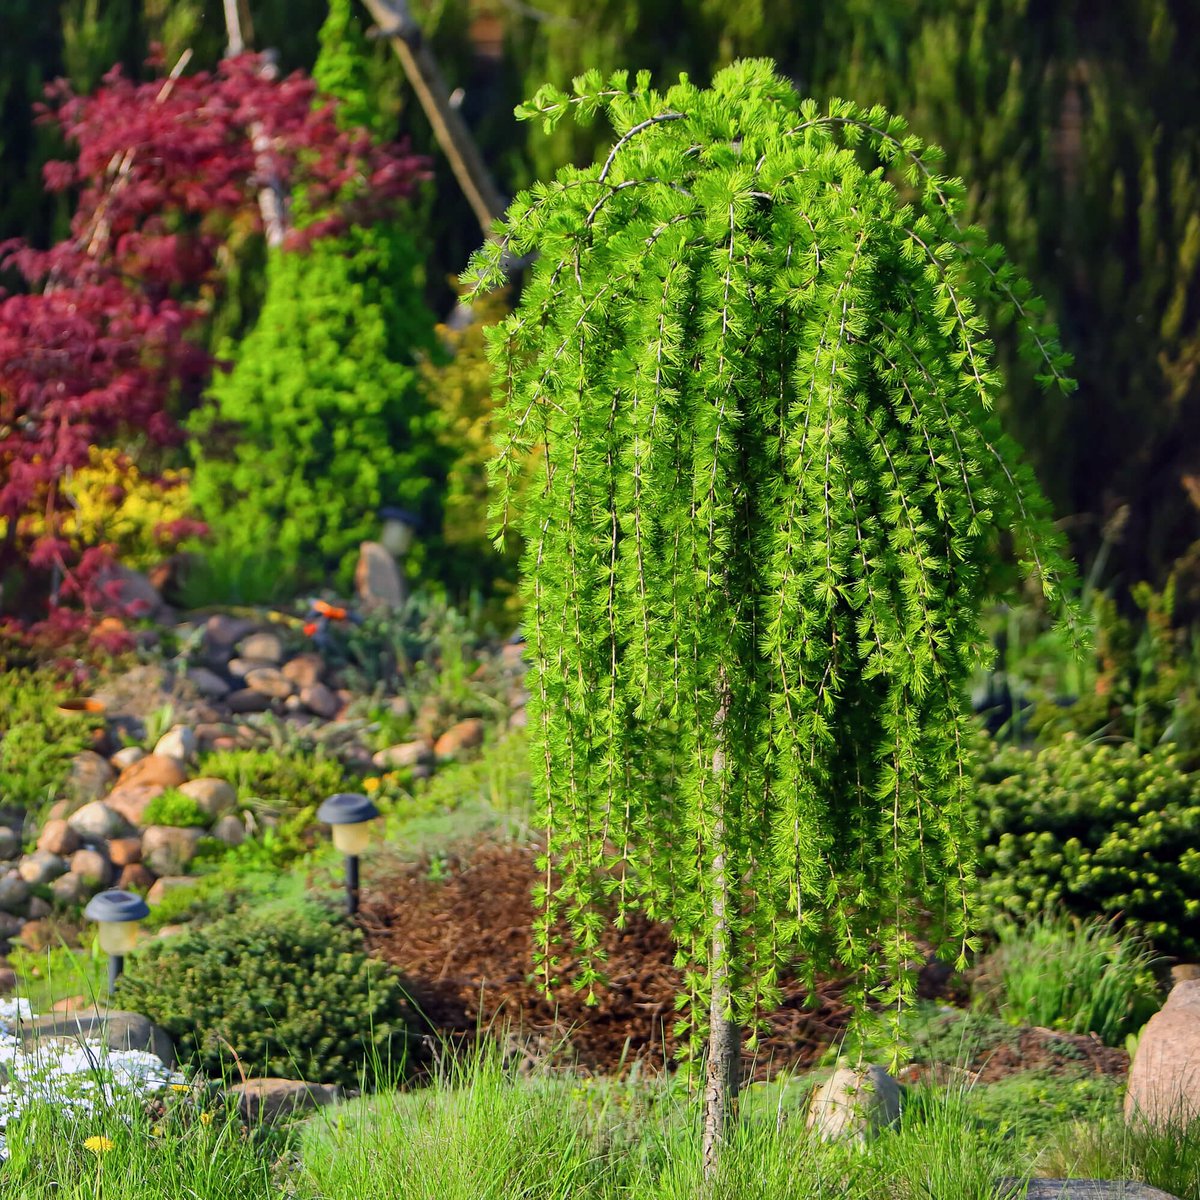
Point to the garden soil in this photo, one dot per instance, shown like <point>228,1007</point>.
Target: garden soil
<point>462,938</point>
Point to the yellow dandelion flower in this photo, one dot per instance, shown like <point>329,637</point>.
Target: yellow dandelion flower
<point>180,1087</point>
<point>98,1145</point>
<point>206,1118</point>
<point>371,785</point>
<point>156,1131</point>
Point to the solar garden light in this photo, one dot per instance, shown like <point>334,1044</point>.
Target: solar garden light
<point>349,815</point>
<point>399,530</point>
<point>117,914</point>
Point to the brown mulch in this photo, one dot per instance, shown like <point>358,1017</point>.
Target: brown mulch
<point>464,943</point>
<point>465,946</point>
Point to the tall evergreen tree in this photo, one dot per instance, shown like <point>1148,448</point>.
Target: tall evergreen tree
<point>770,497</point>
<point>323,410</point>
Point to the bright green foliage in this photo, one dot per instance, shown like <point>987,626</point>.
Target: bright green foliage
<point>287,990</point>
<point>1097,830</point>
<point>275,780</point>
<point>772,494</point>
<point>172,807</point>
<point>324,401</point>
<point>1057,972</point>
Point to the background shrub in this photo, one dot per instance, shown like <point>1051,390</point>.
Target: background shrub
<point>1097,830</point>
<point>289,989</point>
<point>172,807</point>
<point>277,780</point>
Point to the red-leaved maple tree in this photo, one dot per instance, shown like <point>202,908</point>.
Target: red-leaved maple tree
<point>102,344</point>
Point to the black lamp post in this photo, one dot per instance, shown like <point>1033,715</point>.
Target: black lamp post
<point>349,815</point>
<point>117,914</point>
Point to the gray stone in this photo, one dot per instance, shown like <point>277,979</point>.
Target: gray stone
<point>41,867</point>
<point>89,778</point>
<point>92,867</point>
<point>8,981</point>
<point>14,893</point>
<point>266,1101</point>
<point>270,681</point>
<point>115,1029</point>
<point>1164,1079</point>
<point>71,889</point>
<point>10,926</point>
<point>239,667</point>
<point>97,822</point>
<point>377,579</point>
<point>265,646</point>
<point>10,843</point>
<point>179,743</point>
<point>406,754</point>
<point>853,1104</point>
<point>223,632</point>
<point>319,699</point>
<point>38,908</point>
<point>126,757</point>
<point>208,683</point>
<point>304,670</point>
<point>131,592</point>
<point>214,797</point>
<point>1077,1189</point>
<point>230,830</point>
<point>246,700</point>
<point>167,849</point>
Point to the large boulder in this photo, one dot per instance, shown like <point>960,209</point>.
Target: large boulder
<point>58,837</point>
<point>214,797</point>
<point>41,867</point>
<point>267,647</point>
<point>266,1101</point>
<point>179,743</point>
<point>89,777</point>
<point>406,754</point>
<point>465,735</point>
<point>155,769</point>
<point>97,822</point>
<point>1164,1079</point>
<point>167,849</point>
<point>130,803</point>
<point>115,1029</point>
<point>853,1104</point>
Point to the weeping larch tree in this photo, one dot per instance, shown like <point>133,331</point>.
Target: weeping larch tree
<point>751,377</point>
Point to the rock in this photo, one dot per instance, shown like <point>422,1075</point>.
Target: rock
<point>130,803</point>
<point>126,850</point>
<point>319,699</point>
<point>1164,1080</point>
<point>168,884</point>
<point>14,892</point>
<point>167,849</point>
<point>70,1004</point>
<point>166,931</point>
<point>519,719</point>
<point>269,681</point>
<point>92,867</point>
<point>11,925</point>
<point>10,843</point>
<point>465,735</point>
<point>240,667</point>
<point>214,797</point>
<point>60,810</point>
<point>89,777</point>
<point>854,1104</point>
<point>377,578</point>
<point>230,830</point>
<point>1077,1189</point>
<point>153,769</point>
<point>246,700</point>
<point>38,934</point>
<point>266,1101</point>
<point>208,683</point>
<point>513,655</point>
<point>264,646</point>
<point>130,591</point>
<point>115,1029</point>
<point>304,670</point>
<point>57,837</point>
<point>179,743</point>
<point>400,706</point>
<point>406,754</point>
<point>41,867</point>
<point>1182,972</point>
<point>135,878</point>
<point>97,822</point>
<point>70,890</point>
<point>125,758</point>
<point>294,705</point>
<point>8,981</point>
<point>38,909</point>
<point>223,632</point>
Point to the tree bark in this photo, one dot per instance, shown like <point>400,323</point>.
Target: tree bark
<point>722,1074</point>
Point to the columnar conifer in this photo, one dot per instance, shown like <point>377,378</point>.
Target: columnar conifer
<point>772,498</point>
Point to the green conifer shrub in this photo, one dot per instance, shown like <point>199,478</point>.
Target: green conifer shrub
<point>287,990</point>
<point>323,418</point>
<point>771,498</point>
<point>1095,830</point>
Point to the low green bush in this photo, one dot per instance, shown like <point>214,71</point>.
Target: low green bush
<point>1094,830</point>
<point>1078,976</point>
<point>278,781</point>
<point>172,807</point>
<point>285,990</point>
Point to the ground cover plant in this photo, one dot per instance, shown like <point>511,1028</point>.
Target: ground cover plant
<point>772,494</point>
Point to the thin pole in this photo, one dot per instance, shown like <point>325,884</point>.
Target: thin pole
<point>116,964</point>
<point>352,885</point>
